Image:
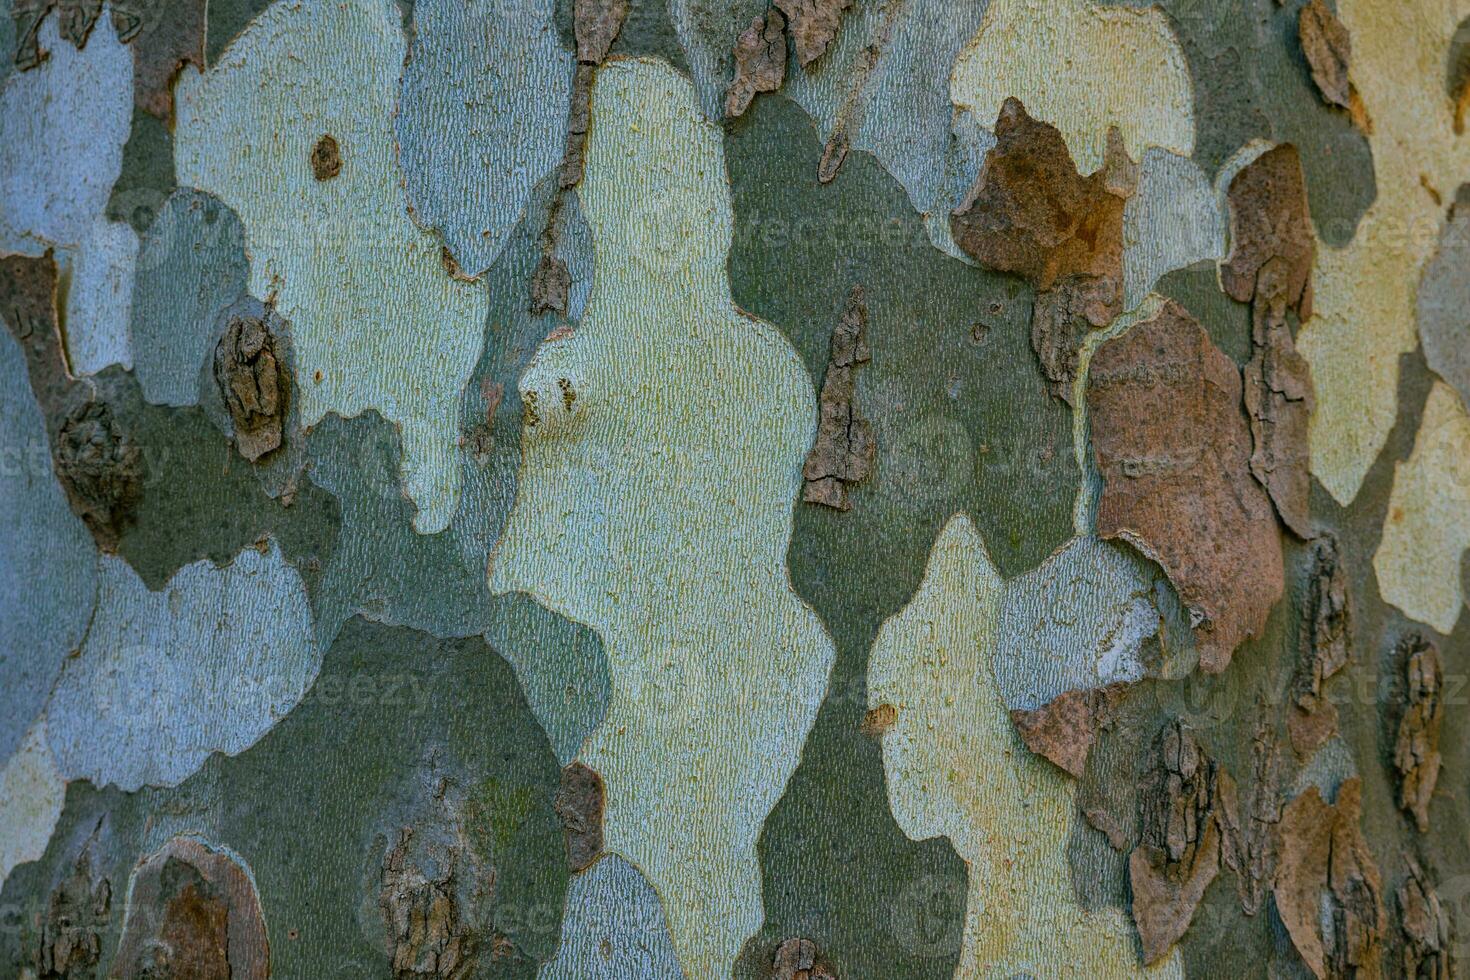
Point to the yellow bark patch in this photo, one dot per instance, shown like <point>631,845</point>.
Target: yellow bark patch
<point>1427,528</point>
<point>1083,68</point>
<point>956,767</point>
<point>1364,303</point>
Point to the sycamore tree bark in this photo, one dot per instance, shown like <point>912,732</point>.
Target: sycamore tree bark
<point>862,489</point>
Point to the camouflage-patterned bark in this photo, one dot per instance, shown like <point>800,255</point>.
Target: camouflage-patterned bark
<point>699,488</point>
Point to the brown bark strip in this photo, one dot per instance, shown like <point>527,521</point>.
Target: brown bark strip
<point>760,62</point>
<point>253,385</point>
<point>1325,647</point>
<point>1416,751</point>
<point>164,36</point>
<point>1425,925</point>
<point>1327,872</point>
<point>1064,729</point>
<point>1329,52</point>
<point>843,451</point>
<point>428,935</point>
<point>1031,213</point>
<point>1172,447</point>
<point>579,804</point>
<point>814,25</point>
<point>1250,819</point>
<point>1178,853</point>
<point>1272,252</point>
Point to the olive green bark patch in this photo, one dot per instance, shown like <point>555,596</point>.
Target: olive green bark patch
<point>962,423</point>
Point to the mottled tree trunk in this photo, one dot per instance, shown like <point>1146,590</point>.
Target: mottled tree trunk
<point>847,489</point>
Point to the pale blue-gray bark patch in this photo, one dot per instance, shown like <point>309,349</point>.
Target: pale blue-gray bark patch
<point>481,119</point>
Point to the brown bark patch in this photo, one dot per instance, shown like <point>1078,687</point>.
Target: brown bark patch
<point>877,721</point>
<point>252,381</point>
<point>760,61</point>
<point>843,451</point>
<point>551,285</point>
<point>1031,213</point>
<point>1327,875</point>
<point>1329,52</point>
<point>1269,220</point>
<point>1064,729</point>
<point>596,24</point>
<point>1273,248</point>
<point>1250,817</point>
<point>102,470</point>
<point>192,913</point>
<point>1325,637</point>
<point>814,25</point>
<point>1416,750</point>
<point>1178,852</point>
<point>1172,447</point>
<point>579,805</point>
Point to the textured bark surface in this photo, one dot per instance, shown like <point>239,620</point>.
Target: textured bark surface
<point>798,489</point>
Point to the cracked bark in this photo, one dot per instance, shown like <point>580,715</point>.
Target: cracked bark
<point>1178,853</point>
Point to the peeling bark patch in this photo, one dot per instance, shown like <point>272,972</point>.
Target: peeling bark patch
<point>102,471</point>
<point>878,720</point>
<point>1064,729</point>
<point>253,385</point>
<point>1416,750</point>
<point>326,158</point>
<point>76,18</point>
<point>579,805</point>
<point>1031,213</point>
<point>1328,50</point>
<point>1178,853</point>
<point>760,61</point>
<point>1326,634</point>
<point>1269,220</point>
<point>192,912</point>
<point>1172,447</point>
<point>1279,398</point>
<point>1272,252</point>
<point>1328,890</point>
<point>596,24</point>
<point>796,959</point>
<point>75,921</point>
<point>427,936</point>
<point>1426,928</point>
<point>814,25</point>
<point>843,452</point>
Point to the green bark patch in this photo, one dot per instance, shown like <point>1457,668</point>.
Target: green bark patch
<point>962,422</point>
